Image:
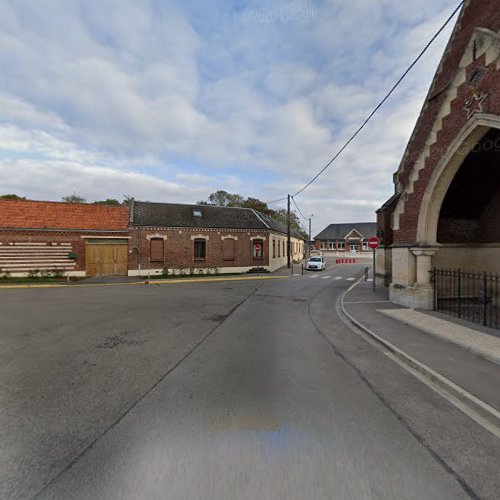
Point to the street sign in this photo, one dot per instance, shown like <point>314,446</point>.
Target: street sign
<point>373,242</point>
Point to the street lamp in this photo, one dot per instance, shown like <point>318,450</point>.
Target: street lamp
<point>309,242</point>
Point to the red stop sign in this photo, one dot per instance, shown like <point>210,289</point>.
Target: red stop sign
<point>373,242</point>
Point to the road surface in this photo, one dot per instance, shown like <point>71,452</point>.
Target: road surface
<point>261,405</point>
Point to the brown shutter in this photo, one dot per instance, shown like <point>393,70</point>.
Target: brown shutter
<point>156,250</point>
<point>228,249</point>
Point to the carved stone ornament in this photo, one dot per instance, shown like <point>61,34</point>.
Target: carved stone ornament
<point>474,104</point>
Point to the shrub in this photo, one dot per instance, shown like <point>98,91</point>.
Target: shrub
<point>57,273</point>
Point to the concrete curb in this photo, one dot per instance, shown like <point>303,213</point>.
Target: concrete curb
<point>437,381</point>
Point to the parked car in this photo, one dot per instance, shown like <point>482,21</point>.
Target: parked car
<point>315,263</point>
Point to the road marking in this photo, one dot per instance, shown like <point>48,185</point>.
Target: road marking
<point>369,279</point>
<point>350,279</point>
<point>297,274</point>
<point>338,277</point>
<point>325,277</point>
<point>312,277</point>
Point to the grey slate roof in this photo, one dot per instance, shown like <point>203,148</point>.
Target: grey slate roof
<point>340,231</point>
<point>213,217</point>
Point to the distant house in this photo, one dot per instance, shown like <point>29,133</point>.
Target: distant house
<point>348,237</point>
<point>66,238</point>
<point>168,237</point>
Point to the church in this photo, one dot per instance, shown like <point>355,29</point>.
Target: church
<point>445,213</point>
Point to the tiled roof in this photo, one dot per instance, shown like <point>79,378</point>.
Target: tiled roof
<point>212,217</point>
<point>340,231</point>
<point>57,215</point>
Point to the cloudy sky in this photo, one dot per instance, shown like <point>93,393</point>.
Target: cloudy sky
<point>171,100</point>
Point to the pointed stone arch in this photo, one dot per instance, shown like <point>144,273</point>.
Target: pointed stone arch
<point>444,173</point>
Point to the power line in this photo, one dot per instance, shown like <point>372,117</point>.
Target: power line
<point>381,103</point>
<point>276,201</point>
<point>297,207</point>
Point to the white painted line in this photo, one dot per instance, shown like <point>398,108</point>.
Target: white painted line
<point>350,279</point>
<point>338,278</point>
<point>297,274</point>
<point>369,279</point>
<point>325,277</point>
<point>312,277</point>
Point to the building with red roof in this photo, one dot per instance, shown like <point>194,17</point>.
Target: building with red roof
<point>74,239</point>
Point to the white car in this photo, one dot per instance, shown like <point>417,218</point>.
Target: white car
<point>315,264</point>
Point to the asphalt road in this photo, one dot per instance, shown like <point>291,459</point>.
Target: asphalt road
<point>208,390</point>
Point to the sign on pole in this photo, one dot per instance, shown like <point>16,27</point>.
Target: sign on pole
<point>374,243</point>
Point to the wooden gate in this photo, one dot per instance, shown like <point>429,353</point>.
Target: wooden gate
<point>106,258</point>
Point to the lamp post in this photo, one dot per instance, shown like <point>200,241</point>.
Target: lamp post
<point>309,242</point>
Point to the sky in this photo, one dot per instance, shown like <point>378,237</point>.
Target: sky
<point>169,101</point>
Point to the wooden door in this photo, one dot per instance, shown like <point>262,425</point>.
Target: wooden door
<point>106,260</point>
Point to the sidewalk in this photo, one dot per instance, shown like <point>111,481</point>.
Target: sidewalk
<point>468,355</point>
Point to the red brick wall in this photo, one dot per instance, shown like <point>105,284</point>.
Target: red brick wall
<point>75,238</point>
<point>179,248</point>
<point>484,13</point>
<point>478,13</point>
<point>489,229</point>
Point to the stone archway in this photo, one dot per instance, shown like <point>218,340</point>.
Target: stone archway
<point>446,171</point>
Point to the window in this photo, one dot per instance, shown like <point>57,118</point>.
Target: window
<point>365,245</point>
<point>200,249</point>
<point>341,246</point>
<point>279,248</point>
<point>274,249</point>
<point>228,249</point>
<point>197,213</point>
<point>156,251</point>
<point>332,246</point>
<point>258,249</point>
<point>323,245</point>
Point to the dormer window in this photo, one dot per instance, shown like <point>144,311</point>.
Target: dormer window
<point>197,213</point>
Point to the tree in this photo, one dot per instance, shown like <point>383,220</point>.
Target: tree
<point>11,197</point>
<point>74,198</point>
<point>258,205</point>
<point>281,216</point>
<point>107,201</point>
<point>222,198</point>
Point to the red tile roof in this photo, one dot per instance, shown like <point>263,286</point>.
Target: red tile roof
<point>57,215</point>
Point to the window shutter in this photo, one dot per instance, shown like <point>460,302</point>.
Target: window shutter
<point>228,249</point>
<point>156,250</point>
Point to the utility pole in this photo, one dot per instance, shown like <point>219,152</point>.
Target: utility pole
<point>288,234</point>
<point>309,242</point>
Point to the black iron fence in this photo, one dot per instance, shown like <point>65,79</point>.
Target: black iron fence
<point>472,296</point>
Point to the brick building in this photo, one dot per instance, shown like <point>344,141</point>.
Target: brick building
<point>446,207</point>
<point>202,238</point>
<point>68,238</point>
<point>348,237</point>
